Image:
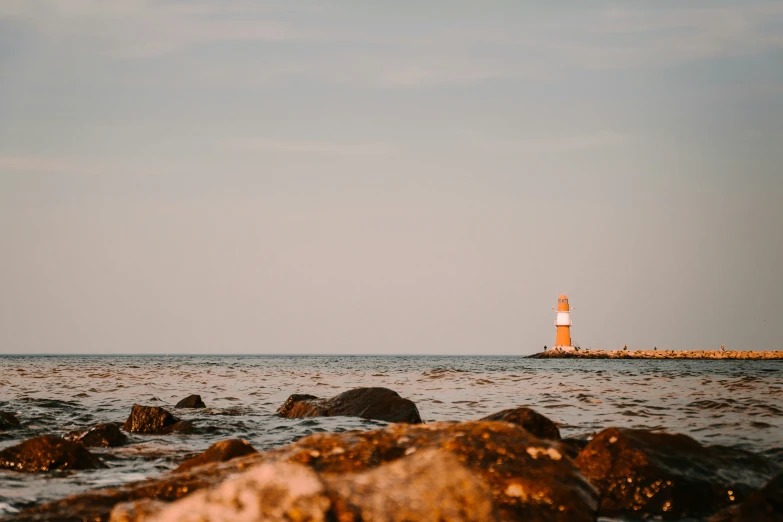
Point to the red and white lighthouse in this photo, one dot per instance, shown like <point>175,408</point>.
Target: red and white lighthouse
<point>563,324</point>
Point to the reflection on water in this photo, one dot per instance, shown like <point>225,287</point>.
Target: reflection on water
<point>738,403</point>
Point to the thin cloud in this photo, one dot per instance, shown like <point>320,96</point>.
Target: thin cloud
<point>313,147</point>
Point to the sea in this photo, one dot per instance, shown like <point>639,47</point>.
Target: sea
<point>733,403</point>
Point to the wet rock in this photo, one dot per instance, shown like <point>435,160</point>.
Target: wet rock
<point>191,401</point>
<point>764,505</point>
<point>528,478</point>
<point>432,485</point>
<point>155,420</point>
<point>8,421</point>
<point>368,403</point>
<point>102,435</point>
<point>219,452</point>
<point>573,447</point>
<point>137,511</point>
<point>643,473</point>
<point>529,419</point>
<point>48,453</point>
<point>278,492</point>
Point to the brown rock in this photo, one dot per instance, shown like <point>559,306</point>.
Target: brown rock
<point>431,485</point>
<point>48,453</point>
<point>529,419</point>
<point>8,421</point>
<point>641,473</point>
<point>368,403</point>
<point>154,420</point>
<point>219,452</point>
<point>191,401</point>
<point>277,492</point>
<point>102,435</point>
<point>764,505</point>
<point>528,478</point>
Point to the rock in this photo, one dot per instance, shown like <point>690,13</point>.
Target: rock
<point>137,511</point>
<point>642,473</point>
<point>8,421</point>
<point>573,447</point>
<point>528,478</point>
<point>432,485</point>
<point>219,452</point>
<point>101,435</point>
<point>191,401</point>
<point>48,453</point>
<point>764,505</point>
<point>368,403</point>
<point>278,492</point>
<point>529,419</point>
<point>154,420</point>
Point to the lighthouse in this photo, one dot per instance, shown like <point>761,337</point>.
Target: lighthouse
<point>563,324</point>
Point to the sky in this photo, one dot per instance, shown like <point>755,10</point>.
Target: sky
<point>231,176</point>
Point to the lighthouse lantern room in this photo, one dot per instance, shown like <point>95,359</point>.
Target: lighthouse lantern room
<point>563,324</point>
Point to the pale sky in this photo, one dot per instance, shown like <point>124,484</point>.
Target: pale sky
<point>230,176</point>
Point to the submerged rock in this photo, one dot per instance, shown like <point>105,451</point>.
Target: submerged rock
<point>528,478</point>
<point>154,420</point>
<point>48,453</point>
<point>764,505</point>
<point>529,419</point>
<point>8,421</point>
<point>102,435</point>
<point>368,403</point>
<point>191,401</point>
<point>219,452</point>
<point>643,473</point>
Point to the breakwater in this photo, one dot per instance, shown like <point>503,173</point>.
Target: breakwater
<point>660,354</point>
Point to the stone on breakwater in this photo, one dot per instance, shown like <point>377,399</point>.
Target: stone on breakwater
<point>432,485</point>
<point>643,473</point>
<point>8,421</point>
<point>154,420</point>
<point>368,403</point>
<point>102,435</point>
<point>191,401</point>
<point>529,419</point>
<point>764,505</point>
<point>528,478</point>
<point>48,453</point>
<point>219,452</point>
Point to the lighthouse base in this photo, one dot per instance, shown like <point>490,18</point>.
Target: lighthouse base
<point>564,349</point>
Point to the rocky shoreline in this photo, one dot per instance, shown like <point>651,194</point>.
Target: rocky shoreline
<point>659,354</point>
<point>512,465</point>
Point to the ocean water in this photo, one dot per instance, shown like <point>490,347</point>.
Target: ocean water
<point>735,403</point>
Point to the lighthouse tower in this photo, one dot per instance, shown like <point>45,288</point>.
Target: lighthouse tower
<point>563,324</point>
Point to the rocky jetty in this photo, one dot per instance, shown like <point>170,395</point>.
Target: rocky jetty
<point>219,452</point>
<point>529,419</point>
<point>102,435</point>
<point>521,476</point>
<point>646,473</point>
<point>8,421</point>
<point>154,420</point>
<point>48,453</point>
<point>660,354</point>
<point>368,403</point>
<point>191,401</point>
